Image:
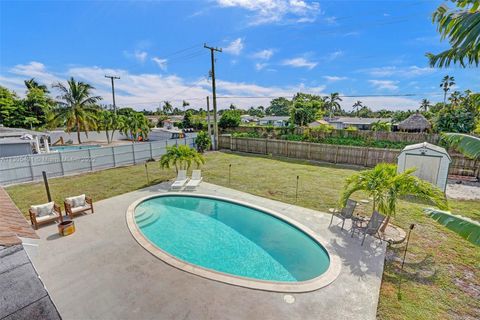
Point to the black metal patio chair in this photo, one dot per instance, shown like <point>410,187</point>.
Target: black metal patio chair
<point>372,227</point>
<point>346,212</point>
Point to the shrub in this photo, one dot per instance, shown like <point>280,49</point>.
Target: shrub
<point>230,119</point>
<point>202,141</point>
<point>351,129</point>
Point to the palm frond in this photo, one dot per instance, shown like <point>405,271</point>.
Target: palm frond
<point>466,144</point>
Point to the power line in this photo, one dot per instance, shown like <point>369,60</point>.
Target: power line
<point>214,93</point>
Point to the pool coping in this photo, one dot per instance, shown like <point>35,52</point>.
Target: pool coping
<point>321,281</point>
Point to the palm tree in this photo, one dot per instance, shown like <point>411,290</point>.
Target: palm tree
<point>461,27</point>
<point>184,105</point>
<point>78,106</point>
<point>331,102</point>
<point>167,107</point>
<point>357,105</point>
<point>182,157</point>
<point>135,126</point>
<point>446,84</point>
<point>466,144</point>
<point>424,105</point>
<point>386,186</point>
<point>33,84</point>
<point>381,126</point>
<point>111,122</point>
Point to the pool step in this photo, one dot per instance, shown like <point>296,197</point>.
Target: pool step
<point>148,219</point>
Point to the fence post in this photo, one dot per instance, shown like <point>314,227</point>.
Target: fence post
<point>61,163</point>
<point>113,156</point>
<point>336,154</point>
<point>90,158</point>
<point>286,148</point>
<point>309,151</point>
<point>151,151</point>
<point>133,153</point>
<point>266,146</point>
<point>247,144</point>
<point>31,167</point>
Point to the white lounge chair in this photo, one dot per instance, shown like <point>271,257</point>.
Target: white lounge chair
<point>195,181</point>
<point>180,180</point>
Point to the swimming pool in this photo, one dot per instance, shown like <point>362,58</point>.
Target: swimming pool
<point>73,148</point>
<point>230,241</point>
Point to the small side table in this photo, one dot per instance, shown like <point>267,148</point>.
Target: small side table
<point>66,227</point>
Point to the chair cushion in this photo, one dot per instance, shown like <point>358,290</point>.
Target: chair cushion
<point>46,218</point>
<point>78,201</point>
<point>42,210</point>
<point>80,209</point>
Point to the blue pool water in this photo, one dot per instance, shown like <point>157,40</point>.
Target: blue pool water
<point>230,238</point>
<point>72,148</point>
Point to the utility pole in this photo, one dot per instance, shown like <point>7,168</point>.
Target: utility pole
<point>208,118</point>
<point>113,91</point>
<point>214,94</point>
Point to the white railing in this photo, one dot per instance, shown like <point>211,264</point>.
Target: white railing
<point>26,168</point>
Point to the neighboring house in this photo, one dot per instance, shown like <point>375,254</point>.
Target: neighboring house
<point>245,118</point>
<point>415,123</point>
<point>359,123</point>
<point>18,141</point>
<point>317,123</point>
<point>153,120</point>
<point>276,121</point>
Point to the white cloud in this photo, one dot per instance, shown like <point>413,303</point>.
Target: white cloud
<point>260,66</point>
<point>138,55</point>
<point>265,54</point>
<point>407,72</point>
<point>334,78</point>
<point>300,63</point>
<point>384,84</point>
<point>334,55</point>
<point>276,11</point>
<point>235,47</point>
<point>161,63</point>
<point>331,20</point>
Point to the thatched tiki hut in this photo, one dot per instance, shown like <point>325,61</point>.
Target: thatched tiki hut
<point>415,123</point>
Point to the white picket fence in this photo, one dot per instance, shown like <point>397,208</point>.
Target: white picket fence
<point>26,168</point>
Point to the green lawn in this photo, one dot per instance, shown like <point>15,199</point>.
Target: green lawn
<point>441,278</point>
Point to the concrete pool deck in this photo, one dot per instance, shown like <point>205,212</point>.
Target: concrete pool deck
<point>101,272</point>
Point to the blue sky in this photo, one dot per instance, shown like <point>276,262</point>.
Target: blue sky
<point>270,48</point>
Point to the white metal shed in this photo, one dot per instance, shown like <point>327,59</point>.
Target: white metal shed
<point>432,162</point>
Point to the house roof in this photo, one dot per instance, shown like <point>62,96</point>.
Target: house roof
<point>18,132</point>
<point>415,122</point>
<point>274,118</point>
<point>426,145</point>
<point>316,123</point>
<point>14,141</point>
<point>355,120</point>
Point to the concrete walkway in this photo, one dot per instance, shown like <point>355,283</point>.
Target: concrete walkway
<point>101,272</point>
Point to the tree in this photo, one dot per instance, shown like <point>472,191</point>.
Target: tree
<point>111,122</point>
<point>230,119</point>
<point>424,105</point>
<point>454,120</point>
<point>136,126</point>
<point>11,109</point>
<point>386,186</point>
<point>468,145</point>
<point>332,103</point>
<point>357,105</point>
<point>182,157</point>
<point>381,126</point>
<point>279,107</point>
<point>446,84</point>
<point>202,141</point>
<point>461,27</point>
<point>187,119</point>
<point>167,107</point>
<point>184,105</point>
<point>32,84</point>
<point>78,108</point>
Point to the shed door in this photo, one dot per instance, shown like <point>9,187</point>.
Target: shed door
<point>427,166</point>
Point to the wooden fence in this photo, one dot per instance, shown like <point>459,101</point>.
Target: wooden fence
<point>361,156</point>
<point>396,136</point>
